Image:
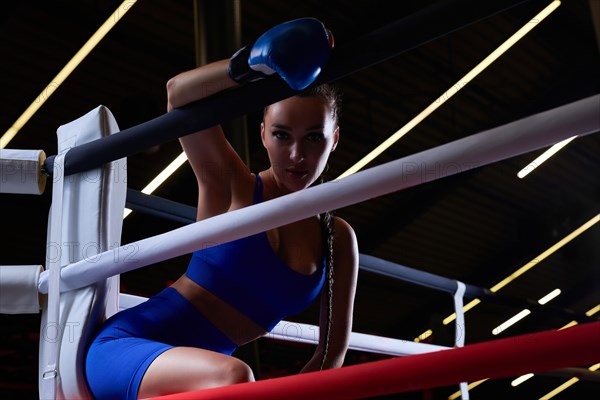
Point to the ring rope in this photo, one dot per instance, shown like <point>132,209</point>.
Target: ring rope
<point>527,134</point>
<point>305,333</point>
<point>514,356</point>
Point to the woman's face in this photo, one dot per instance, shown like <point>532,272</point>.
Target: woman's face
<point>298,133</point>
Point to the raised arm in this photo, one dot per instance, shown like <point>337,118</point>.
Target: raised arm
<point>296,51</point>
<point>198,83</point>
<point>217,166</point>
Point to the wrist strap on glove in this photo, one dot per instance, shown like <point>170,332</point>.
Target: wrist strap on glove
<point>238,68</point>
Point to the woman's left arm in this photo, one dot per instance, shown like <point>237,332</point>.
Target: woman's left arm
<point>345,267</point>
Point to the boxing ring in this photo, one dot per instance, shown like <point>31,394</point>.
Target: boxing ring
<point>90,281</point>
<point>85,256</point>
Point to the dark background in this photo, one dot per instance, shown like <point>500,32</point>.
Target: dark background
<point>477,227</point>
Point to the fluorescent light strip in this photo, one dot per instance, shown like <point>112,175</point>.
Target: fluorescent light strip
<point>453,89</point>
<point>566,385</point>
<point>165,174</point>
<point>516,318</point>
<point>470,386</point>
<point>511,321</point>
<point>543,157</point>
<point>65,72</point>
<point>593,311</point>
<point>423,336</point>
<point>530,264</point>
<point>521,379</point>
<point>550,296</point>
<point>160,178</point>
<point>546,253</point>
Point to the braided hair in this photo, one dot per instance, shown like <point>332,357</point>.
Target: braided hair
<point>327,227</point>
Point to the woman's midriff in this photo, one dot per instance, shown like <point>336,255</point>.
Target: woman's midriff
<point>236,326</point>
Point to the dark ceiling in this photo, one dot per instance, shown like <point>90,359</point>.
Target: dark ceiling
<point>477,227</point>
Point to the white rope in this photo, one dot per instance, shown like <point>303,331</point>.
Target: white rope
<point>528,134</point>
<point>306,333</point>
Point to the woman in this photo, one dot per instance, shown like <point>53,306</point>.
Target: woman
<point>182,339</point>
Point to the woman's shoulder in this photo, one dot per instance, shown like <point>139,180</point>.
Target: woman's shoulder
<point>341,223</point>
<point>343,231</point>
<point>345,247</point>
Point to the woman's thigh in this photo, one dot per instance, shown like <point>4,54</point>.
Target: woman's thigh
<point>114,368</point>
<point>184,369</point>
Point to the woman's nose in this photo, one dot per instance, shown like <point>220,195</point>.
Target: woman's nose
<point>296,152</point>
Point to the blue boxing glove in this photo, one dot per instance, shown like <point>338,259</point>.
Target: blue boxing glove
<point>296,50</point>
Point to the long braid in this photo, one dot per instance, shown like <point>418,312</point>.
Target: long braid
<point>327,226</point>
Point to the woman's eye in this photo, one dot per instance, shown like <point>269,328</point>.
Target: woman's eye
<point>315,137</point>
<point>282,135</point>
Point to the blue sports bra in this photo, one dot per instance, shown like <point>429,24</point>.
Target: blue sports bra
<point>247,274</point>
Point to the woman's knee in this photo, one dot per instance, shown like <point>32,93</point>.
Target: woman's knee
<point>236,371</point>
<point>187,369</point>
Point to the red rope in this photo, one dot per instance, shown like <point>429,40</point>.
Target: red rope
<point>535,352</point>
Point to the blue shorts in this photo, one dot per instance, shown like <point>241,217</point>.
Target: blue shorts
<point>129,341</point>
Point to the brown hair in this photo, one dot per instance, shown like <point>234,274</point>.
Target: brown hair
<point>327,92</point>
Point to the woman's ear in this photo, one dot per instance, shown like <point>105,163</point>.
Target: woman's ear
<point>262,133</point>
<point>336,138</point>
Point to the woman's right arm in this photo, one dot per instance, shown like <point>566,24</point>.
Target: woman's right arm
<point>222,176</point>
<point>198,83</point>
<point>217,166</point>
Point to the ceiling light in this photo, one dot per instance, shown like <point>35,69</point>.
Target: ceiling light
<point>470,386</point>
<point>552,295</point>
<point>520,380</point>
<point>424,335</point>
<point>543,157</point>
<point>165,174</point>
<point>65,72</point>
<point>593,311</point>
<point>161,177</point>
<point>560,388</point>
<point>566,385</point>
<point>511,321</point>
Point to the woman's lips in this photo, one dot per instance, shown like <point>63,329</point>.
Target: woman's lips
<point>297,173</point>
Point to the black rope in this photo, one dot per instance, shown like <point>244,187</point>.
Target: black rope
<point>160,207</point>
<point>427,279</point>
